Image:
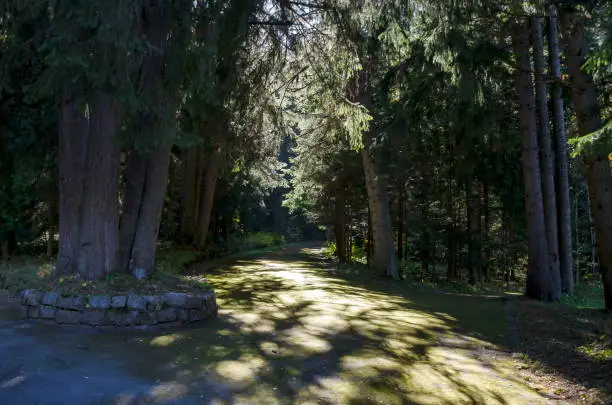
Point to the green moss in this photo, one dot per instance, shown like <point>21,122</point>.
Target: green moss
<point>600,350</point>
<point>586,296</point>
<point>32,273</point>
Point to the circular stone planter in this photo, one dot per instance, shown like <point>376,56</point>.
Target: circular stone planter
<point>119,311</point>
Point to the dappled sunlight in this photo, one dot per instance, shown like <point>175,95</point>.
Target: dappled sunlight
<point>165,340</point>
<point>290,332</point>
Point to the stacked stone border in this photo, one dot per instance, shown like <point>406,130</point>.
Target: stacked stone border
<point>119,311</point>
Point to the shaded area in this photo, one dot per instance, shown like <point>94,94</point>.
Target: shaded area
<point>565,348</point>
<point>289,331</point>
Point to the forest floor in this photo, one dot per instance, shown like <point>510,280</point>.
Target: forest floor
<point>291,330</point>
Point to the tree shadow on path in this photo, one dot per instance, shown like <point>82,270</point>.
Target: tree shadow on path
<point>291,332</point>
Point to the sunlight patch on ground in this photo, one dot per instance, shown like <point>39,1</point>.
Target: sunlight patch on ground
<point>166,340</point>
<point>168,391</point>
<point>241,373</point>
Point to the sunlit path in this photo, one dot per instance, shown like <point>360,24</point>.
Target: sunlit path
<point>288,332</point>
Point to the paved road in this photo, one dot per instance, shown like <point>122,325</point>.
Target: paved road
<point>289,331</point>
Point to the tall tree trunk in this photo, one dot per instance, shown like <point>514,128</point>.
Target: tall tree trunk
<point>370,244</point>
<point>452,270</point>
<point>474,232</point>
<point>73,134</point>
<point>189,203</point>
<point>378,201</point>
<point>142,258</point>
<point>207,199</point>
<point>135,178</point>
<point>486,237</point>
<point>98,253</point>
<point>52,218</point>
<point>548,165</point>
<point>539,284</point>
<point>564,219</point>
<point>596,165</point>
<point>340,227</point>
<point>400,224</point>
<point>5,250</point>
<point>148,163</point>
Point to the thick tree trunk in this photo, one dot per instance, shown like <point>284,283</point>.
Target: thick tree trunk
<point>596,165</point>
<point>474,232</point>
<point>548,165</point>
<point>539,284</point>
<point>564,219</point>
<point>378,201</point>
<point>98,253</point>
<point>72,158</point>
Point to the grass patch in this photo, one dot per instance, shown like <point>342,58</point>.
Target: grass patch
<point>588,296</point>
<point>573,344</point>
<point>600,350</point>
<point>36,273</point>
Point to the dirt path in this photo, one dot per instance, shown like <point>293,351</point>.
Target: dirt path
<point>289,332</point>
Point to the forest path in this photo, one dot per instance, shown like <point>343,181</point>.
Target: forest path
<point>289,331</point>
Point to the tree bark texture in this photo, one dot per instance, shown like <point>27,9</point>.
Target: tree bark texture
<point>72,156</point>
<point>378,201</point>
<point>539,284</point>
<point>400,224</point>
<point>596,164</point>
<point>99,225</point>
<point>486,231</point>
<point>564,218</point>
<point>474,232</point>
<point>149,159</point>
<point>206,202</point>
<point>189,204</point>
<point>340,227</point>
<point>548,165</point>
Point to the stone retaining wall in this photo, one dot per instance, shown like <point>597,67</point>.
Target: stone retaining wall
<point>124,311</point>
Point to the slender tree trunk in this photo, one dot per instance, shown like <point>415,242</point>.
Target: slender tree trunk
<point>548,165</point>
<point>142,258</point>
<point>596,165</point>
<point>207,199</point>
<point>474,232</point>
<point>5,250</point>
<point>486,237</point>
<point>148,164</point>
<point>370,244</point>
<point>340,227</point>
<point>539,284</point>
<point>452,270</point>
<point>135,178</point>
<point>378,201</point>
<point>564,219</point>
<point>52,217</point>
<point>400,225</point>
<point>72,158</point>
<point>190,202</point>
